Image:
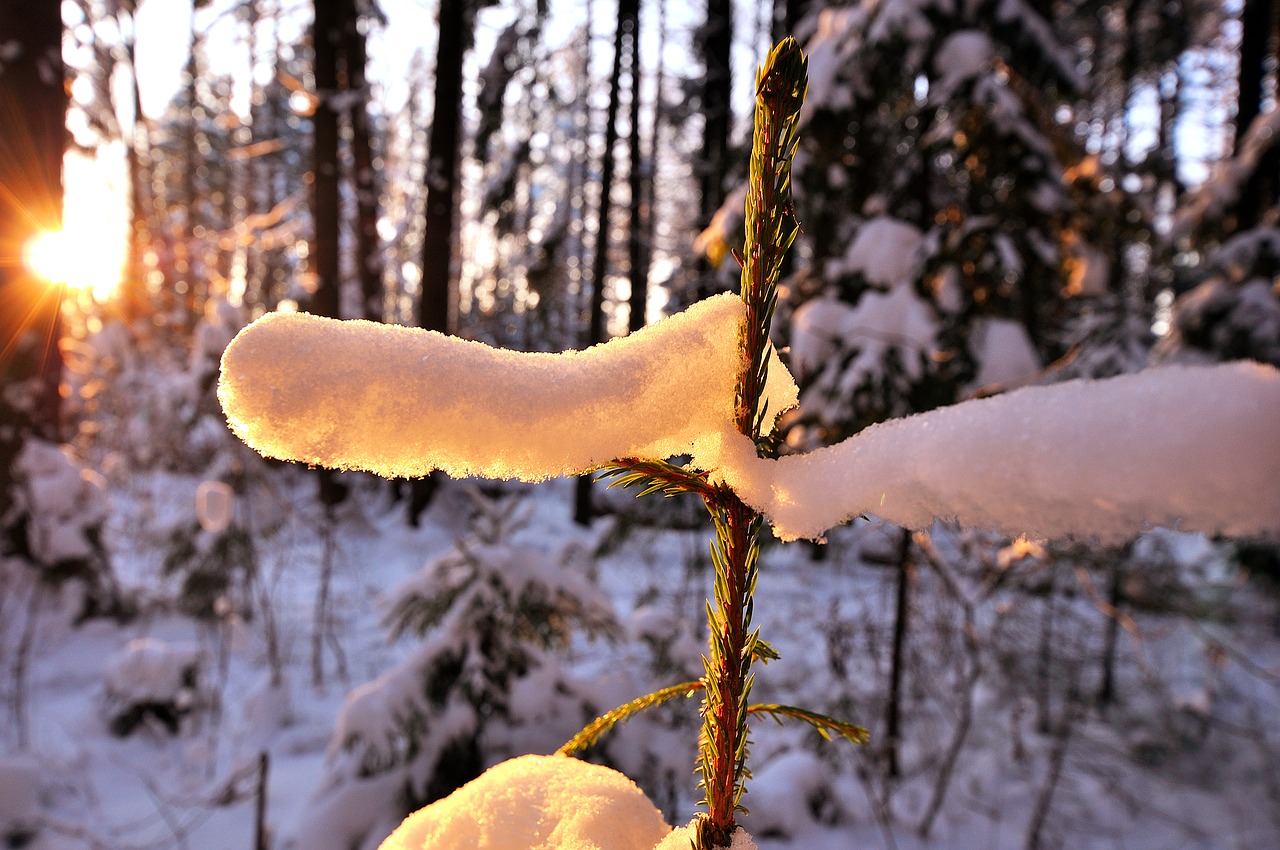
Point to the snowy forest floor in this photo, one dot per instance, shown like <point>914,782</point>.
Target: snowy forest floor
<point>1004,743</point>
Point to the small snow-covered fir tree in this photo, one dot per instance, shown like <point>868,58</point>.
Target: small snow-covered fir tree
<point>1085,457</point>
<point>486,680</point>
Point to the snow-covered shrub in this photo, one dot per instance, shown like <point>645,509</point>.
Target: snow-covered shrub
<point>151,683</point>
<point>1234,310</point>
<point>214,566</point>
<point>55,522</point>
<point>142,397</point>
<point>485,681</point>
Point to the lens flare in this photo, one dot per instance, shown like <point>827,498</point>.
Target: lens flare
<point>88,253</point>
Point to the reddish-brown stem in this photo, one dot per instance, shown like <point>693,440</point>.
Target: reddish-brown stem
<point>769,230</point>
<point>730,678</point>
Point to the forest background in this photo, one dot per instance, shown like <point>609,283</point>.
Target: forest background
<point>991,194</point>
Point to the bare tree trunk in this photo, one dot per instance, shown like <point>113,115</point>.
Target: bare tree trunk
<point>716,36</point>
<point>260,834</point>
<point>320,615</point>
<point>365,179</point>
<point>133,295</point>
<point>325,35</point>
<point>441,197</point>
<point>638,182</point>
<point>973,656</point>
<point>1260,20</point>
<point>1044,657</point>
<point>442,169</point>
<point>786,14</point>
<point>1115,598</point>
<point>1057,758</point>
<point>628,11</point>
<point>22,664</point>
<point>902,612</point>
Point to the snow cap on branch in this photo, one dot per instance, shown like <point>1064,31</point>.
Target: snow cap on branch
<point>551,802</point>
<point>403,401</point>
<point>1194,448</point>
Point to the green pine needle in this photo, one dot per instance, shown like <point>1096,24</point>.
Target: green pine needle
<point>825,724</point>
<point>605,722</point>
<point>654,476</point>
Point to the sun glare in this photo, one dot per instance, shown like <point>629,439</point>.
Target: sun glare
<point>88,252</point>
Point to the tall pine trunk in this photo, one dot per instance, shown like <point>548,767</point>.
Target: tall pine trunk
<point>442,169</point>
<point>902,613</point>
<point>364,179</point>
<point>1260,20</point>
<point>717,42</point>
<point>639,183</point>
<point>133,295</point>
<point>325,34</point>
<point>628,14</point>
<point>441,178</point>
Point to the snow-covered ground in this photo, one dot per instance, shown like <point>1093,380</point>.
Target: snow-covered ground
<point>1185,757</point>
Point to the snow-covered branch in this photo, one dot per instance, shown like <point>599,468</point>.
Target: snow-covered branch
<point>1191,447</point>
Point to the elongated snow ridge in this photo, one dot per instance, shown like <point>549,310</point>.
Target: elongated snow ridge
<point>402,401</point>
<point>1195,448</point>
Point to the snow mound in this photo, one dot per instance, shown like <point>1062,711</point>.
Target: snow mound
<point>885,251</point>
<point>403,401</point>
<point>64,502</point>
<point>151,670</point>
<point>537,803</point>
<point>682,839</point>
<point>1193,448</point>
<point>963,55</point>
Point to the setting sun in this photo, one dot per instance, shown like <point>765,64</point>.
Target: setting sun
<point>88,252</point>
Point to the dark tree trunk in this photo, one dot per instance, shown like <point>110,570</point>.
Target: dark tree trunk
<point>441,195</point>
<point>442,169</point>
<point>364,178</point>
<point>1260,20</point>
<point>786,14</point>
<point>133,298</point>
<point>716,38</point>
<point>33,138</point>
<point>628,13</point>
<point>639,182</point>
<point>902,613</point>
<point>325,35</point>
<point>1107,691</point>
